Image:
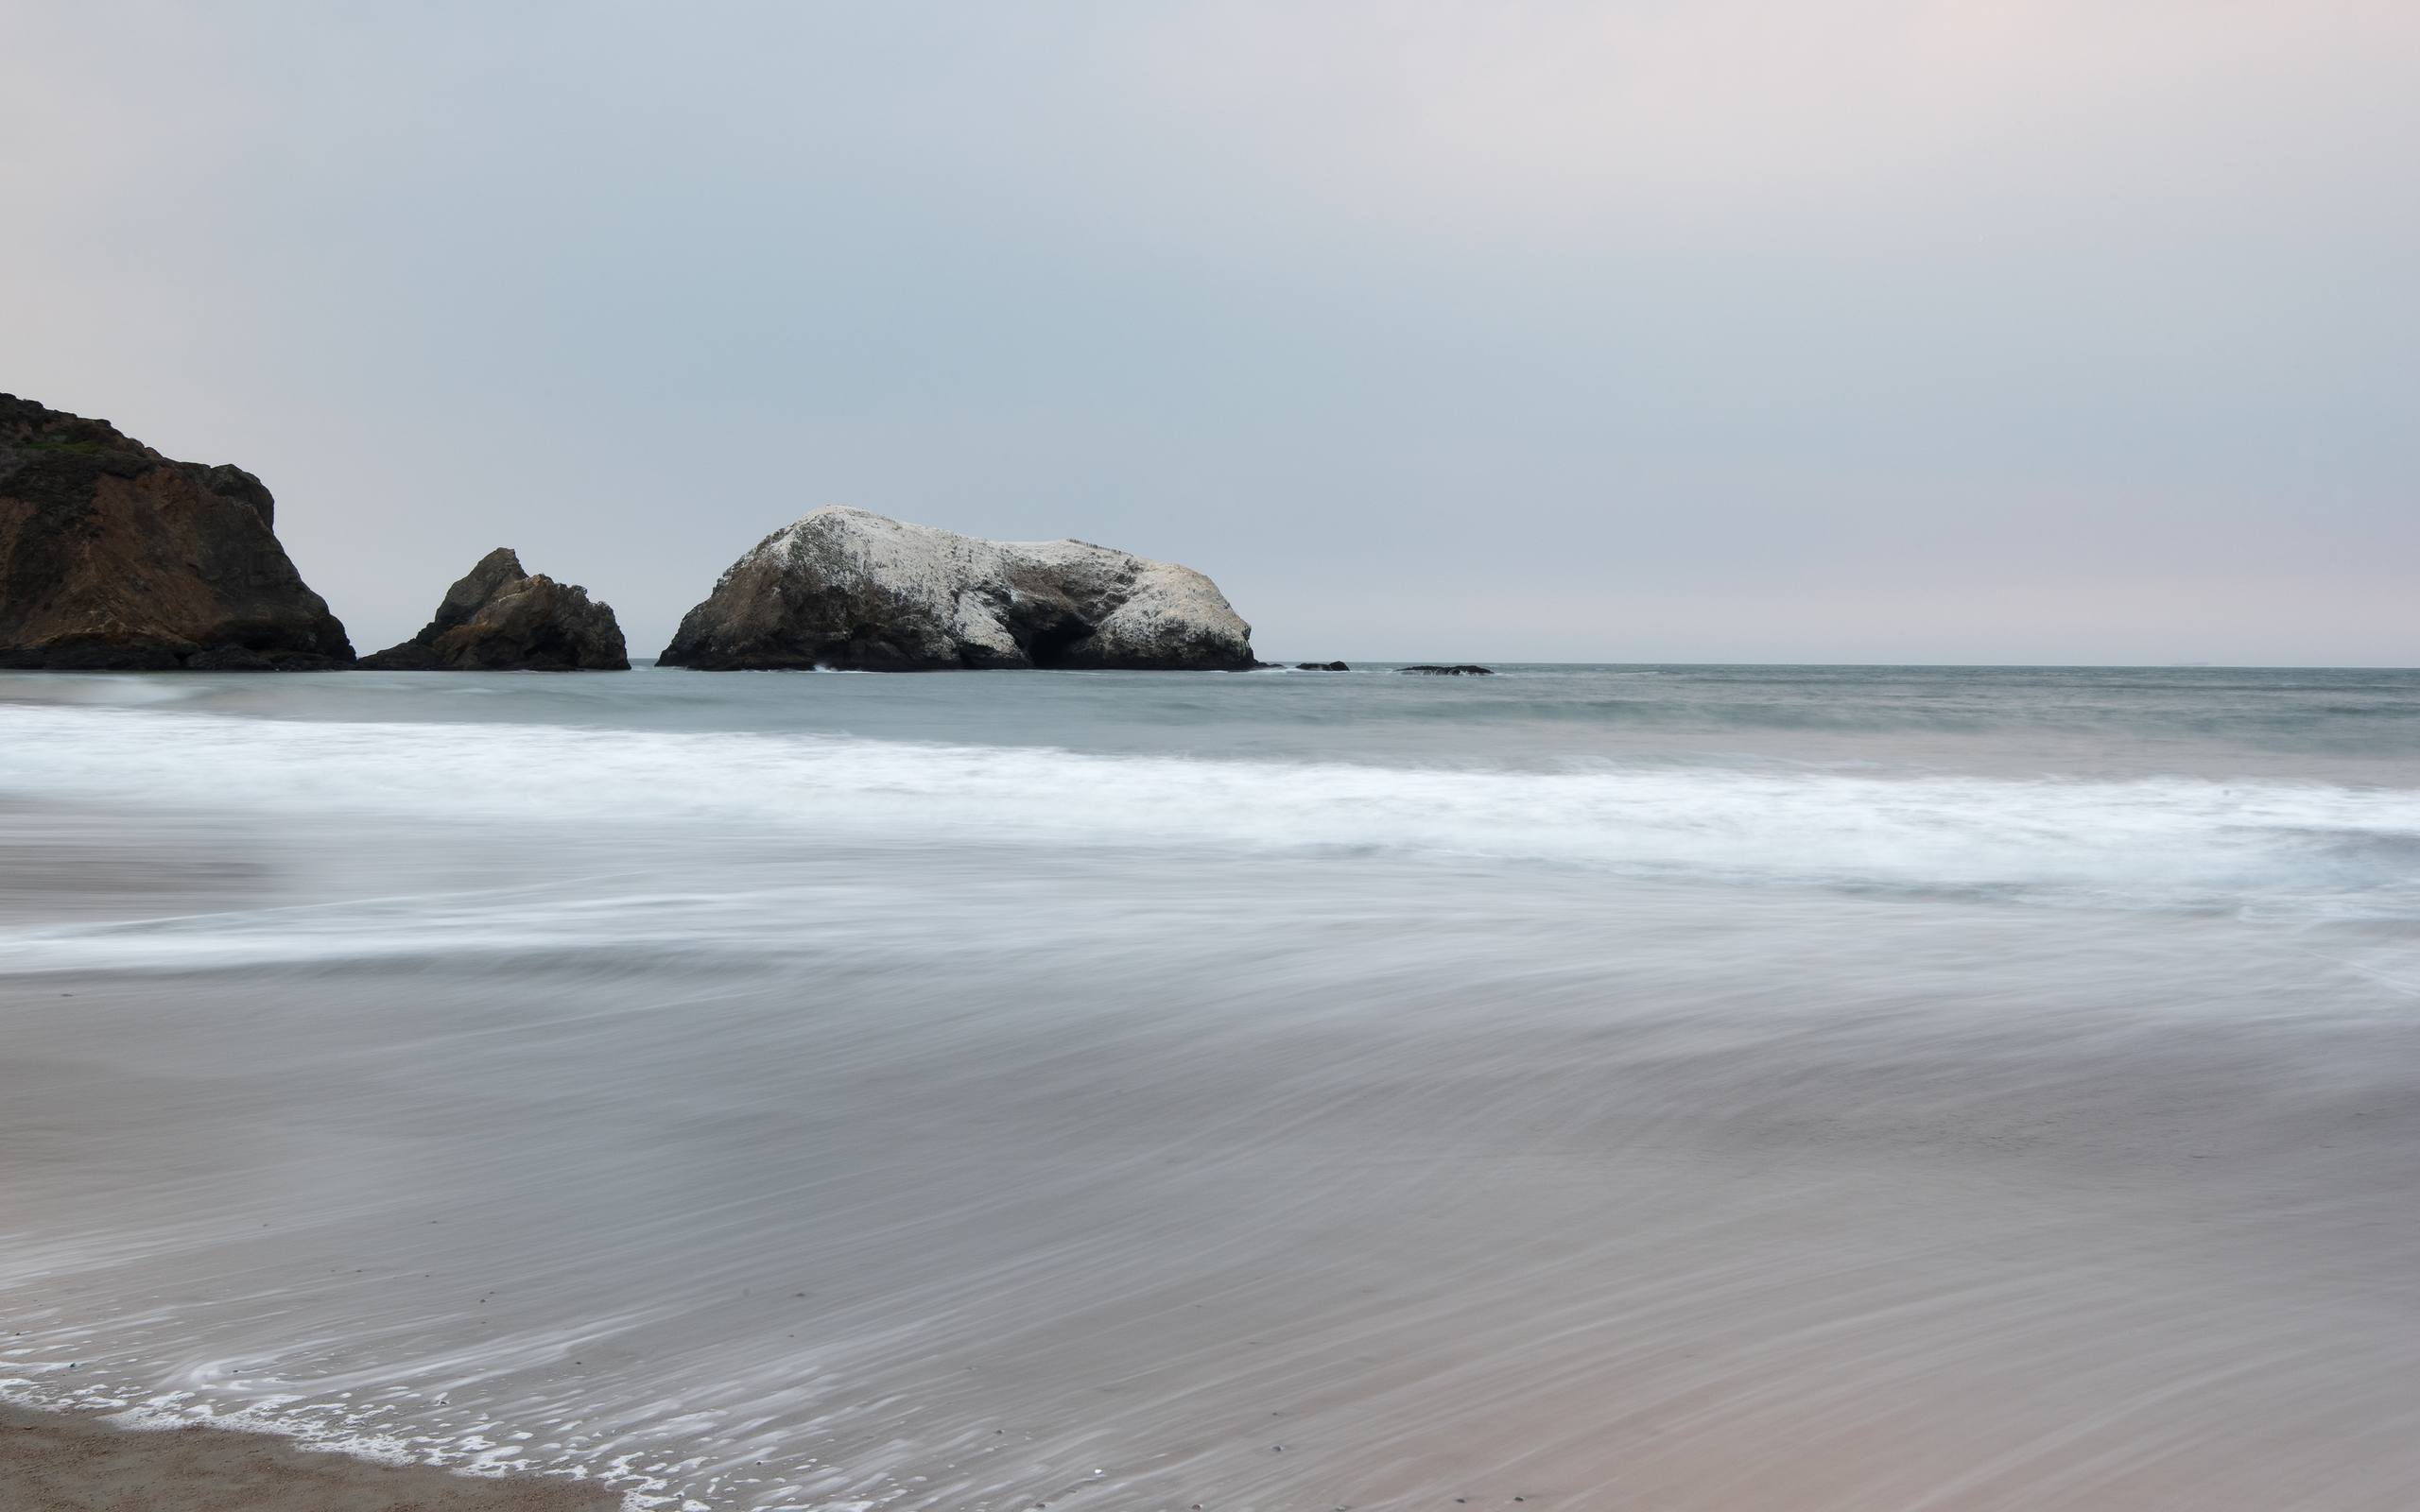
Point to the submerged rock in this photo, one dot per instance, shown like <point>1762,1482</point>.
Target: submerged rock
<point>847,589</point>
<point>1463,669</point>
<point>1321,666</point>
<point>498,618</point>
<point>115,558</point>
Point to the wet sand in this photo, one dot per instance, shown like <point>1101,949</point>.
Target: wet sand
<point>1603,1235</point>
<point>756,1169</point>
<point>75,1462</point>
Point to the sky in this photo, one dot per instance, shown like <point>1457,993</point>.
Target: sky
<point>1718,331</point>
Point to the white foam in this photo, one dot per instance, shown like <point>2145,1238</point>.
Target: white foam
<point>2145,842</point>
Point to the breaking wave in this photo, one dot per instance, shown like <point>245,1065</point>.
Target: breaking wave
<point>2162,842</point>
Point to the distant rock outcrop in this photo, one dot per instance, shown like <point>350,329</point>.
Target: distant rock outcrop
<point>846,589</point>
<point>1321,666</point>
<point>115,558</point>
<point>498,618</point>
<point>1460,670</point>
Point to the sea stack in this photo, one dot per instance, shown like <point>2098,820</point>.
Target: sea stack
<point>845,588</point>
<point>498,618</point>
<point>114,557</point>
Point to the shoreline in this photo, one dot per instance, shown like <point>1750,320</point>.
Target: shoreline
<point>668,1098</point>
<point>71,1460</point>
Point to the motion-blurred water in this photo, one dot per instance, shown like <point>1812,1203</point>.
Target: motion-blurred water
<point>1794,1088</point>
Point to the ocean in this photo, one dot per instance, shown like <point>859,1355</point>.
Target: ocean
<point>1604,1086</point>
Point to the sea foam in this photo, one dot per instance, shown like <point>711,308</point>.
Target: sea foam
<point>2163,842</point>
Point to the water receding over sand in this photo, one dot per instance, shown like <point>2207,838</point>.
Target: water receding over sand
<point>843,1147</point>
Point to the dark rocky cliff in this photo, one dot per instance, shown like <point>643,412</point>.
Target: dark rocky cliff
<point>116,558</point>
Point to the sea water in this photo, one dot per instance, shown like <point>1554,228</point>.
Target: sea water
<point>1674,1087</point>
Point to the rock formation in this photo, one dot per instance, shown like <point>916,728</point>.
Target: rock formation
<point>498,618</point>
<point>845,588</point>
<point>1321,666</point>
<point>116,558</point>
<point>1461,670</point>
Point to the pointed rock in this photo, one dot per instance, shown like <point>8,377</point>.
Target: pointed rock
<point>498,618</point>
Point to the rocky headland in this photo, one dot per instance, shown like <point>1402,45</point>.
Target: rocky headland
<point>116,558</point>
<point>499,618</point>
<point>846,589</point>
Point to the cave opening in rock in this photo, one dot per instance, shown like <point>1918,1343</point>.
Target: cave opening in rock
<point>1050,645</point>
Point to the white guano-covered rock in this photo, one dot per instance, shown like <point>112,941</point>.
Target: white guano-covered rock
<point>847,589</point>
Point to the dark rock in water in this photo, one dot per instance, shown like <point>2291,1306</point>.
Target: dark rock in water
<point>229,658</point>
<point>846,589</point>
<point>1461,670</point>
<point>114,557</point>
<point>498,618</point>
<point>1321,666</point>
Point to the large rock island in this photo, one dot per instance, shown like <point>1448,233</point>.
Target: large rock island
<point>849,590</point>
<point>116,558</point>
<point>498,618</point>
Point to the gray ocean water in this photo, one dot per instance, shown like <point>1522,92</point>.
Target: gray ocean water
<point>1671,1087</point>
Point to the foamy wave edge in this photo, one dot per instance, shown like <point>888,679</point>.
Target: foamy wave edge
<point>2158,841</point>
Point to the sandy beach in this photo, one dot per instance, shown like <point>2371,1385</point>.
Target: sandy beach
<point>1396,756</point>
<point>75,1462</point>
<point>763,1120</point>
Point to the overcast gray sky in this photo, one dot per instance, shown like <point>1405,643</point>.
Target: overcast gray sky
<point>1726,330</point>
